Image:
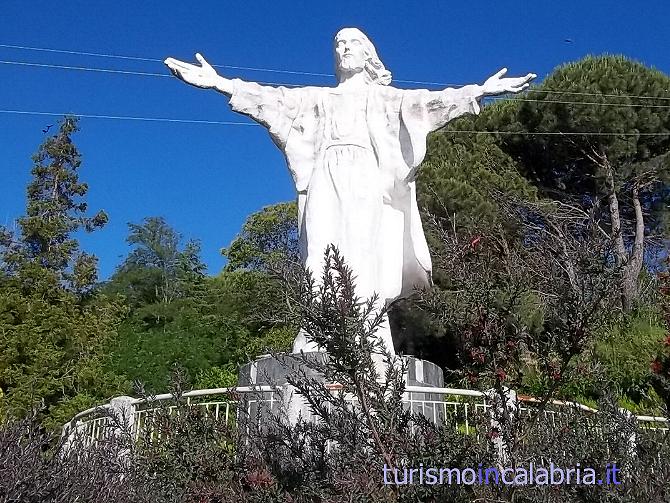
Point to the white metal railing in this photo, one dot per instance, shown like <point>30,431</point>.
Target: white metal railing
<point>98,423</point>
<point>552,408</point>
<point>437,404</point>
<point>657,423</point>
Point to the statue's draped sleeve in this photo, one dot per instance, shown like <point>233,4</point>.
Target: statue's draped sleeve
<point>273,107</point>
<point>290,115</point>
<point>421,112</point>
<point>424,111</point>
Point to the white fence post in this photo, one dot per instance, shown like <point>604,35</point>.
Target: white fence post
<point>629,436</point>
<point>122,408</point>
<point>502,408</point>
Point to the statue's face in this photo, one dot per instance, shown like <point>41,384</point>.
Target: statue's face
<point>350,51</point>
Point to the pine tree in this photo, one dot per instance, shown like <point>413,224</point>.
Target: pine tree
<point>620,173</point>
<point>55,211</point>
<point>54,326</point>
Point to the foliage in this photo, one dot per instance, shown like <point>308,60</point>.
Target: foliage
<point>661,365</point>
<point>156,270</point>
<point>457,181</point>
<point>209,325</point>
<point>224,376</point>
<point>54,326</point>
<point>626,349</point>
<point>567,101</point>
<point>268,238</point>
<point>55,211</point>
<point>201,460</point>
<point>344,325</point>
<point>461,171</point>
<point>464,172</point>
<point>148,354</point>
<point>621,178</point>
<point>187,455</point>
<point>519,309</point>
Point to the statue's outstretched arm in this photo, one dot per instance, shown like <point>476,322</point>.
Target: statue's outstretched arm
<point>203,76</point>
<point>495,85</point>
<point>272,107</point>
<point>424,111</point>
<point>454,102</point>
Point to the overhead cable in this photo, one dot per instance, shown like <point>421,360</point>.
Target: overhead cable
<point>131,118</point>
<point>295,72</point>
<point>107,70</point>
<point>232,67</point>
<point>235,123</point>
<point>149,74</point>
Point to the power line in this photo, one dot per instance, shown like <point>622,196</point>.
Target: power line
<point>131,118</point>
<point>152,74</point>
<point>295,72</point>
<point>634,105</point>
<point>233,67</point>
<point>77,53</point>
<point>82,68</point>
<point>149,74</point>
<point>108,70</point>
<point>233,123</point>
<point>576,93</point>
<point>156,60</point>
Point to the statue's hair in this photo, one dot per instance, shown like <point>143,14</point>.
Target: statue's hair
<point>375,70</point>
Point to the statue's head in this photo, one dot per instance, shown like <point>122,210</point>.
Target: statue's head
<point>355,53</point>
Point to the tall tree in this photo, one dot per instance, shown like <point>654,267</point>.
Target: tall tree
<point>54,326</point>
<point>463,170</point>
<point>268,237</point>
<point>623,177</point>
<point>55,211</point>
<point>159,269</point>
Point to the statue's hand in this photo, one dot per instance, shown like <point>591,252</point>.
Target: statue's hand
<point>203,76</point>
<point>496,85</point>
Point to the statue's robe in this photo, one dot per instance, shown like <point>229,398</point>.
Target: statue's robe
<point>398,122</point>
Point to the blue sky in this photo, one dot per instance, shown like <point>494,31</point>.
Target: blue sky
<point>205,179</point>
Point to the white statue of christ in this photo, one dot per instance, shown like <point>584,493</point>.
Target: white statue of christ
<point>353,151</point>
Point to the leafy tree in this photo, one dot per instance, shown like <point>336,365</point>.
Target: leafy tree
<point>622,178</point>
<point>208,325</point>
<point>268,237</point>
<point>661,365</point>
<point>157,270</point>
<point>462,170</point>
<point>540,303</point>
<point>54,326</point>
<point>171,319</point>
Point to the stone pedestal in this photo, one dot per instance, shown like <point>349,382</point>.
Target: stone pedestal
<point>270,370</point>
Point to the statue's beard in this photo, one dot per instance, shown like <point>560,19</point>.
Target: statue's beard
<point>349,68</point>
